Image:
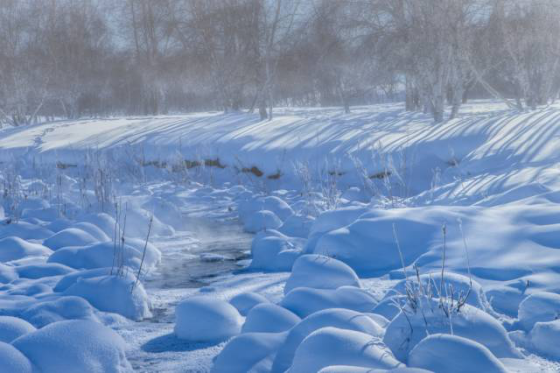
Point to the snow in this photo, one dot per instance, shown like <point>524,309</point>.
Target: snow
<point>13,327</point>
<point>269,318</point>
<point>64,308</point>
<point>206,319</point>
<point>544,337</point>
<point>273,251</point>
<point>339,318</point>
<point>262,220</point>
<point>539,307</point>
<point>305,301</point>
<point>234,358</point>
<point>442,353</point>
<point>244,302</point>
<point>13,360</point>
<point>69,237</point>
<point>320,272</point>
<point>114,293</point>
<point>13,248</point>
<point>332,346</point>
<point>75,346</point>
<point>469,322</point>
<point>484,187</point>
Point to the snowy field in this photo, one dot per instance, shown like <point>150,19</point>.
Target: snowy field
<point>374,241</point>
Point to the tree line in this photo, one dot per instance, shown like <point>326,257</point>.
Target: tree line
<point>89,58</point>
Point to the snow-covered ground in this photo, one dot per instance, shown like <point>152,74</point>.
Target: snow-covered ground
<point>319,241</point>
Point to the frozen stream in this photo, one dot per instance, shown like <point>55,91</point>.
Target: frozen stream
<point>211,249</point>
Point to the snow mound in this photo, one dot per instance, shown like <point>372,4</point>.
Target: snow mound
<point>355,194</point>
<point>13,361</point>
<point>470,322</point>
<point>320,272</point>
<point>441,353</point>
<point>368,244</point>
<point>113,294</point>
<point>305,301</point>
<point>12,328</point>
<point>459,284</point>
<point>43,214</point>
<point>75,346</point>
<point>348,369</point>
<point>261,221</point>
<point>269,318</point>
<point>69,237</point>
<point>537,307</point>
<point>13,248</point>
<point>248,353</point>
<point>93,230</point>
<point>103,221</point>
<point>206,319</point>
<point>276,205</point>
<point>297,226</point>
<point>167,212</point>
<point>273,251</point>
<point>101,255</point>
<point>332,346</point>
<point>244,302</point>
<point>35,271</point>
<point>59,224</point>
<point>64,308</point>
<point>7,274</point>
<point>138,221</point>
<point>25,230</point>
<point>338,318</point>
<point>70,279</point>
<point>545,336</point>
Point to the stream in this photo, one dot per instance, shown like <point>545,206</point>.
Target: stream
<point>211,249</point>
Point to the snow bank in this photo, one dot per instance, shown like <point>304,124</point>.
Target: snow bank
<point>320,272</point>
<point>13,361</point>
<point>69,237</point>
<point>273,251</point>
<point>248,353</point>
<point>545,336</point>
<point>244,302</point>
<point>64,308</point>
<point>75,346</point>
<point>113,294</point>
<point>444,353</point>
<point>206,319</point>
<point>269,318</point>
<point>538,307</point>
<point>470,322</point>
<point>12,328</point>
<point>305,301</point>
<point>338,318</point>
<point>331,346</point>
<point>349,369</point>
<point>13,248</point>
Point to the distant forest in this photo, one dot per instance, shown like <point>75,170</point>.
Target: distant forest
<point>89,58</point>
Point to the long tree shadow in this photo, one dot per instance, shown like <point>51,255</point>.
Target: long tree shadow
<point>170,343</point>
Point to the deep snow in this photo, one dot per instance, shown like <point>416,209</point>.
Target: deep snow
<point>336,204</point>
